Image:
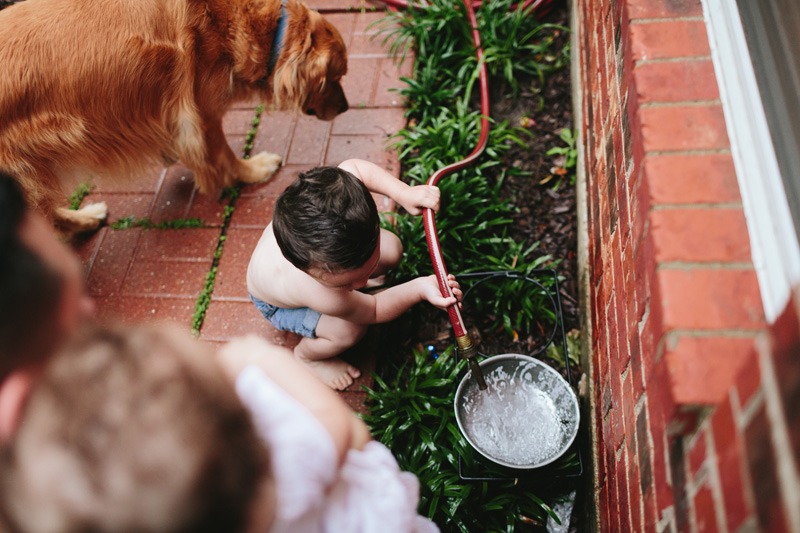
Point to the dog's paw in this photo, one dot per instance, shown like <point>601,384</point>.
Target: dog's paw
<point>87,218</point>
<point>260,167</point>
<point>97,211</point>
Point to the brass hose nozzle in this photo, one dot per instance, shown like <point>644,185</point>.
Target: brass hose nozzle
<point>468,351</point>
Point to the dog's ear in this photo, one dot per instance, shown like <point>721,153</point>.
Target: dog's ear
<point>306,68</point>
<point>289,87</point>
<point>308,75</point>
<point>316,52</point>
<point>308,43</point>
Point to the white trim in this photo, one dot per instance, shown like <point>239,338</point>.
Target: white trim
<point>773,242</point>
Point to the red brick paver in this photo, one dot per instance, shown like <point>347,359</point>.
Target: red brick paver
<point>151,274</point>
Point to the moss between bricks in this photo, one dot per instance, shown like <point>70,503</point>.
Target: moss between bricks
<point>81,191</point>
<point>178,223</point>
<point>230,193</point>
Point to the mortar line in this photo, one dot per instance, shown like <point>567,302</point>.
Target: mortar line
<point>203,300</point>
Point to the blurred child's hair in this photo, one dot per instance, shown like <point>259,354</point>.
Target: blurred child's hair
<point>326,219</point>
<point>132,429</point>
<point>30,290</point>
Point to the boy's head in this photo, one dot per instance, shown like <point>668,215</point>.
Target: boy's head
<point>42,293</point>
<point>327,220</point>
<point>133,430</point>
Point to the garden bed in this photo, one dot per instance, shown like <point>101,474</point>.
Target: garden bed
<point>514,211</point>
<point>543,209</point>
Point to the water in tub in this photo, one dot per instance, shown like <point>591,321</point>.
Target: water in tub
<point>518,419</point>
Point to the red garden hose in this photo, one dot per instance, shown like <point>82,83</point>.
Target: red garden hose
<point>467,349</point>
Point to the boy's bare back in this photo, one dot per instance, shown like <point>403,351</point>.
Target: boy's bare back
<point>274,280</point>
<point>324,244</point>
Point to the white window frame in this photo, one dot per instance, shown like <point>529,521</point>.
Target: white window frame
<point>773,241</point>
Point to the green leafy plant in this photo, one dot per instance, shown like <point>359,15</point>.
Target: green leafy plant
<point>428,89</point>
<point>472,220</point>
<point>413,416</point>
<point>433,28</point>
<point>515,44</point>
<point>179,223</point>
<point>556,350</point>
<point>82,190</point>
<point>204,299</point>
<point>521,304</point>
<point>412,413</point>
<point>565,162</point>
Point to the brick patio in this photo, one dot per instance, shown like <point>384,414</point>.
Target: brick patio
<point>147,275</point>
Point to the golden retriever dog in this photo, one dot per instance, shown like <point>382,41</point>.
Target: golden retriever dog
<point>107,87</point>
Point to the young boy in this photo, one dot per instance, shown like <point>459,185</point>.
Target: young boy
<point>145,429</point>
<point>325,243</point>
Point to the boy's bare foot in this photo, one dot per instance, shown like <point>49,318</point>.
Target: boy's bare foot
<point>334,372</point>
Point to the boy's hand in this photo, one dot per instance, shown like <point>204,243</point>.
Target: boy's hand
<point>415,199</point>
<point>431,292</point>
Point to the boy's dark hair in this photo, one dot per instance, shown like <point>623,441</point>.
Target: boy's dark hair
<point>326,219</point>
<point>30,290</point>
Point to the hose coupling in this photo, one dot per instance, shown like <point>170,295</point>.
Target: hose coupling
<point>466,350</point>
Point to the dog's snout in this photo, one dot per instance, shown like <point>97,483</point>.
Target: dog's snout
<point>344,107</point>
<point>310,112</point>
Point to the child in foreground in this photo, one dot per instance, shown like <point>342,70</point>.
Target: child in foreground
<point>323,244</point>
<point>146,429</point>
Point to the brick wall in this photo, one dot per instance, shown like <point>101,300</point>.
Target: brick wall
<point>695,400</point>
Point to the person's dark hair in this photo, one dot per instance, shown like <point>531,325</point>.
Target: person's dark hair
<point>30,290</point>
<point>326,219</point>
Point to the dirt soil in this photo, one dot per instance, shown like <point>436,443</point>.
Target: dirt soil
<point>546,215</point>
<point>545,199</point>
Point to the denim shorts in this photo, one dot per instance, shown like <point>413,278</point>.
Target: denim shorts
<point>302,320</point>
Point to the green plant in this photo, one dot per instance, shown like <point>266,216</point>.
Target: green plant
<point>556,350</point>
<point>428,89</point>
<point>473,221</point>
<point>413,416</point>
<point>413,413</point>
<point>179,223</point>
<point>563,165</point>
<point>204,299</point>
<point>435,28</point>
<point>81,191</point>
<point>231,194</point>
<point>473,218</point>
<point>516,45</point>
<point>516,304</point>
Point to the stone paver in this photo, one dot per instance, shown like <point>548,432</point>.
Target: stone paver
<point>150,274</point>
